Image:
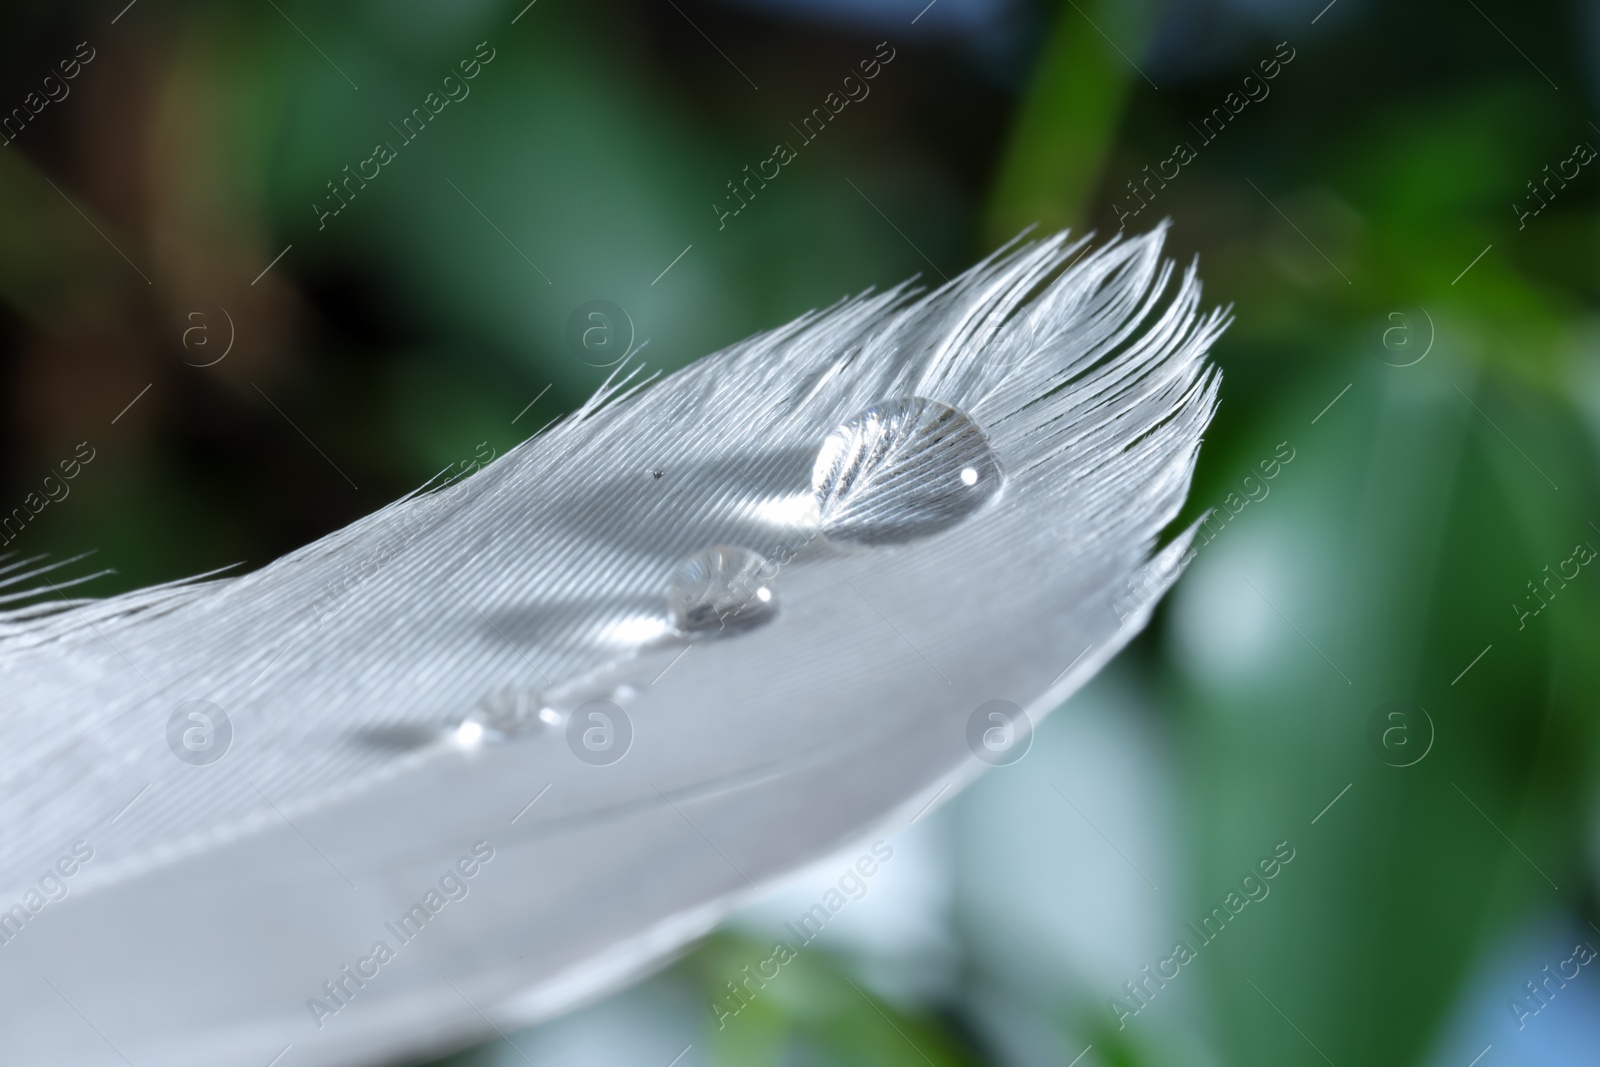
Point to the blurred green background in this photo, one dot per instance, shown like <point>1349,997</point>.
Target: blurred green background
<point>1383,657</point>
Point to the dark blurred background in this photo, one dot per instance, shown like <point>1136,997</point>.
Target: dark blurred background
<point>1383,658</point>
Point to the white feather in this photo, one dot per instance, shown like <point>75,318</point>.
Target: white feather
<point>220,901</point>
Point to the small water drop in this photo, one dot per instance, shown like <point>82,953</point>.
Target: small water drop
<point>722,591</point>
<point>506,712</point>
<point>902,469</point>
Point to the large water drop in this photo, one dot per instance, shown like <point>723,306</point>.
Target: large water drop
<point>722,591</point>
<point>902,469</point>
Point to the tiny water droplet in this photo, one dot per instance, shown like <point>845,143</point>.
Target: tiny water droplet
<point>506,712</point>
<point>902,469</point>
<point>722,591</point>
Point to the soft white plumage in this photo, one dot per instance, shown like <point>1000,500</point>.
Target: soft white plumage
<point>220,902</point>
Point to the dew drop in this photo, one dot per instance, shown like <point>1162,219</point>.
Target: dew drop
<point>722,591</point>
<point>506,712</point>
<point>902,469</point>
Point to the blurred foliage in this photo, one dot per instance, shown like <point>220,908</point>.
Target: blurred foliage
<point>389,343</point>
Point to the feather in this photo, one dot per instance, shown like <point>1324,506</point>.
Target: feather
<point>534,730</point>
